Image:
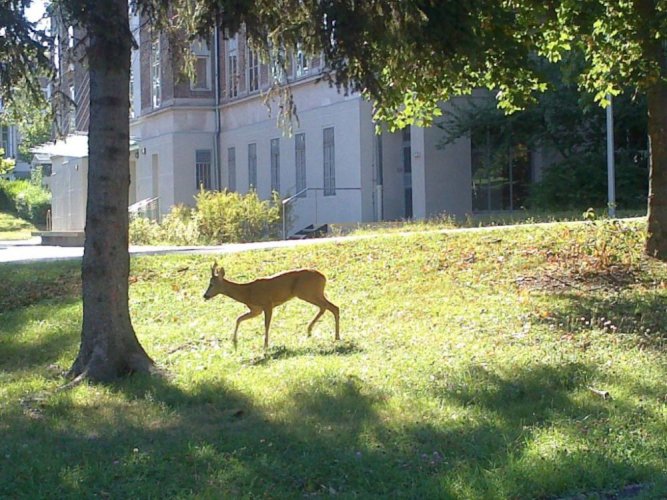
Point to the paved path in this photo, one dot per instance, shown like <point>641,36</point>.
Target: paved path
<point>31,250</point>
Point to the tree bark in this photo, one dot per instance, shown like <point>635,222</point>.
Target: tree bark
<point>109,347</point>
<point>656,242</point>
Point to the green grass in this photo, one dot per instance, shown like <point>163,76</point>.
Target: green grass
<point>465,371</point>
<point>502,218</point>
<point>13,228</point>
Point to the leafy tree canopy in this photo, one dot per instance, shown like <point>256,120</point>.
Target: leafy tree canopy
<point>23,51</point>
<point>32,114</point>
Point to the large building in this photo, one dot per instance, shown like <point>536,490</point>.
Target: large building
<point>214,131</point>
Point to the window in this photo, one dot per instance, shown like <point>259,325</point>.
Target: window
<point>72,109</point>
<point>203,169</point>
<point>4,140</point>
<point>379,170</point>
<point>407,172</point>
<point>329,162</point>
<point>232,67</point>
<point>277,63</point>
<point>132,112</point>
<point>231,169</point>
<point>275,165</point>
<point>301,61</point>
<point>300,160</point>
<point>253,70</point>
<point>201,80</point>
<point>252,166</point>
<point>56,52</point>
<point>156,83</point>
<point>501,169</point>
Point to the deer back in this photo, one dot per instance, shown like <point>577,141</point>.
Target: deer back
<point>279,288</point>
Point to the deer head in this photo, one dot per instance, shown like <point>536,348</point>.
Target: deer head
<point>215,284</point>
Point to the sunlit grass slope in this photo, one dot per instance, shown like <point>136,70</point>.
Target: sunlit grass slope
<point>523,363</point>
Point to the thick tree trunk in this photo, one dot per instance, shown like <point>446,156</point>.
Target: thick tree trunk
<point>109,347</point>
<point>656,242</point>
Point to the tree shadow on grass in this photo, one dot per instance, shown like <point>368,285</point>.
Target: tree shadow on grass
<point>545,437</point>
<point>341,348</point>
<point>641,316</point>
<point>32,283</point>
<point>333,436</point>
<point>19,352</point>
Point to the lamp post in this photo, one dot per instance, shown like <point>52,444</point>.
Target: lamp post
<point>611,178</point>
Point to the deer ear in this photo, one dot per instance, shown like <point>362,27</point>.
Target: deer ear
<point>221,273</point>
<point>214,269</point>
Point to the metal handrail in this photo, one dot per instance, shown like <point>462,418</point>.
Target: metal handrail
<point>297,196</point>
<point>284,203</point>
<point>149,208</point>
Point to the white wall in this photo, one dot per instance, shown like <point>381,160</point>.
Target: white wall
<point>367,161</point>
<point>319,107</point>
<point>448,175</point>
<point>174,135</point>
<point>69,192</point>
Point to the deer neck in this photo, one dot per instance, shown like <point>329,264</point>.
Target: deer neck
<point>233,290</point>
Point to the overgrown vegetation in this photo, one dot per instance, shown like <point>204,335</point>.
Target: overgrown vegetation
<point>522,363</point>
<point>6,164</point>
<point>219,217</point>
<point>13,228</point>
<point>26,198</point>
<point>566,127</point>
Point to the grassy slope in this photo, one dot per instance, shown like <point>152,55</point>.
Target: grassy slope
<point>13,228</point>
<point>465,372</point>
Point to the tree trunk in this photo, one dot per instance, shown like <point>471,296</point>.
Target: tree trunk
<point>656,242</point>
<point>109,346</point>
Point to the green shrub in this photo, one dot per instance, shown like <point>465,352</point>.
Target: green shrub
<point>28,200</point>
<point>179,227</point>
<point>144,231</point>
<point>232,217</point>
<point>220,217</point>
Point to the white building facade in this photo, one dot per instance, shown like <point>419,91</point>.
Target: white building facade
<point>214,131</point>
<point>218,133</point>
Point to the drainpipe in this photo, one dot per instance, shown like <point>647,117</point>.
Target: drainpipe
<point>216,145</point>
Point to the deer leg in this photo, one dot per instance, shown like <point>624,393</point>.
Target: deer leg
<point>268,312</point>
<point>250,314</point>
<point>317,316</point>
<point>336,312</point>
<point>324,305</point>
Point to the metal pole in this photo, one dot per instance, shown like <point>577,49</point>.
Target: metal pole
<point>611,178</point>
<point>284,223</point>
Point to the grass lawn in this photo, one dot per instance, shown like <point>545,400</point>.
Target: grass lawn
<point>523,363</point>
<point>13,228</point>
<point>502,218</point>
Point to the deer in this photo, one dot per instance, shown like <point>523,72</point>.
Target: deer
<point>262,295</point>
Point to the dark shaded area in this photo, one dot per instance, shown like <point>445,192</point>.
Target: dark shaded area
<point>341,348</point>
<point>20,354</point>
<point>23,285</point>
<point>642,317</point>
<point>333,440</point>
